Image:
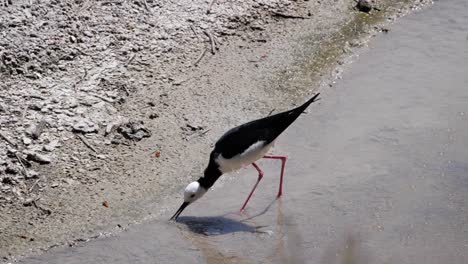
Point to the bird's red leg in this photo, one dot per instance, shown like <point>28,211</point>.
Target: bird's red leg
<point>283,162</point>
<point>260,176</point>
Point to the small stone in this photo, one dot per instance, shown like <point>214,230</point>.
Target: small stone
<point>51,146</point>
<point>30,130</point>
<point>7,180</point>
<point>72,103</point>
<point>85,126</point>
<point>194,127</point>
<point>35,106</point>
<point>101,156</point>
<point>32,174</point>
<point>35,131</point>
<point>54,185</point>
<point>69,181</point>
<point>28,202</point>
<point>27,140</point>
<point>99,105</point>
<point>116,141</point>
<point>364,6</point>
<point>134,130</point>
<point>108,129</point>
<point>11,169</point>
<point>39,158</point>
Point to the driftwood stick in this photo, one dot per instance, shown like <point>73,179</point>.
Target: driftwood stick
<point>212,43</point>
<point>216,42</point>
<point>34,185</point>
<point>7,139</point>
<point>194,32</point>
<point>83,139</point>
<point>200,57</point>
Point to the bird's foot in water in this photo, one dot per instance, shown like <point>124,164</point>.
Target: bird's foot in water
<point>239,213</point>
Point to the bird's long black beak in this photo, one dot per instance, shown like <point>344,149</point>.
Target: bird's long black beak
<point>182,207</point>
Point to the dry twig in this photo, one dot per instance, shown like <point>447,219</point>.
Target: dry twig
<point>210,6</point>
<point>198,134</point>
<point>22,165</point>
<point>145,3</point>
<point>211,41</point>
<point>83,139</point>
<point>7,140</point>
<point>46,210</point>
<point>200,57</point>
<point>194,32</point>
<point>282,15</point>
<point>34,185</point>
<point>130,60</point>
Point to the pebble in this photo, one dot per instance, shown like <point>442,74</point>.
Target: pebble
<point>28,202</point>
<point>85,126</point>
<point>134,130</point>
<point>27,140</point>
<point>364,6</point>
<point>39,158</point>
<point>32,174</point>
<point>51,146</point>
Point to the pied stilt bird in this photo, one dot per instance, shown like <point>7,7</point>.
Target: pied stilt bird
<point>242,146</point>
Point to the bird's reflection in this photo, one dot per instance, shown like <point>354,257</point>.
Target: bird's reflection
<point>216,225</point>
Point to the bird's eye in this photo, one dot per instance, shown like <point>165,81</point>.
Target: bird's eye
<point>193,195</point>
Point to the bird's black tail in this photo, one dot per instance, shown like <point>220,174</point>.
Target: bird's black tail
<point>306,104</point>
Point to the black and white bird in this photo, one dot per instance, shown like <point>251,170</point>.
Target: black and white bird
<point>242,146</point>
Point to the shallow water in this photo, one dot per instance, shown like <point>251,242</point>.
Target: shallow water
<point>377,172</point>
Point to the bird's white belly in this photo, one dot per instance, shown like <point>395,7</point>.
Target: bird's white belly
<point>252,154</point>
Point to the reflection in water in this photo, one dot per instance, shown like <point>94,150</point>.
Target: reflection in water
<point>349,251</point>
<point>201,232</point>
<point>262,212</point>
<point>288,247</point>
<point>213,226</point>
<point>209,251</point>
<point>217,225</point>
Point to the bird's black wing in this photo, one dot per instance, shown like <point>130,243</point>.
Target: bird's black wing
<point>238,139</point>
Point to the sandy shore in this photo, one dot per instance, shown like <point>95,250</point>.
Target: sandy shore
<point>108,108</point>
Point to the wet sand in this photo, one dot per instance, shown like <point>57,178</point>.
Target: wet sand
<point>377,171</point>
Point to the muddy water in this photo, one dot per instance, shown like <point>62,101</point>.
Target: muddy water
<point>377,172</point>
